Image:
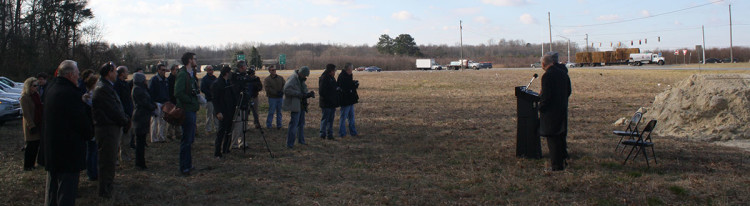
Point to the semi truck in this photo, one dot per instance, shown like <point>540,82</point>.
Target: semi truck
<point>645,58</point>
<point>427,64</point>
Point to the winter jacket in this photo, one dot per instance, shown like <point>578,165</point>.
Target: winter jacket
<point>67,127</point>
<point>107,106</point>
<point>186,91</point>
<point>329,91</point>
<point>294,93</point>
<point>31,105</point>
<point>158,88</point>
<point>274,86</point>
<point>553,104</point>
<point>349,94</point>
<point>144,109</point>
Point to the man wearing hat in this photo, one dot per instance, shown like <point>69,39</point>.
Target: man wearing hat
<point>295,101</point>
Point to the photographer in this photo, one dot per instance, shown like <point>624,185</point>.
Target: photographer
<point>329,100</point>
<point>349,97</point>
<point>295,101</point>
<point>243,89</point>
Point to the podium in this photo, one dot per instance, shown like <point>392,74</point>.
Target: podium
<point>528,143</point>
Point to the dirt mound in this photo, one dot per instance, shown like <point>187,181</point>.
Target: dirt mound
<point>713,107</point>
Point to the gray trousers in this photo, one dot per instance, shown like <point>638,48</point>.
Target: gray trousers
<point>108,138</point>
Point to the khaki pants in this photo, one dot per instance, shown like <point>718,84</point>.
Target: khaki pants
<point>158,127</point>
<point>211,121</point>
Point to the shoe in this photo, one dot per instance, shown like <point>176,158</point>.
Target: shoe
<point>185,173</point>
<point>141,167</point>
<point>278,128</point>
<point>322,136</point>
<point>303,143</point>
<point>28,168</point>
<point>289,147</point>
<point>331,138</point>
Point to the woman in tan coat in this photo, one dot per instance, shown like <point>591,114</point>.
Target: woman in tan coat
<point>31,105</point>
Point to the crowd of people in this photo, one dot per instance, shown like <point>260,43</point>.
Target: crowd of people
<point>92,120</point>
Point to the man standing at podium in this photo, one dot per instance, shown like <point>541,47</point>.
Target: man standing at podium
<point>553,109</point>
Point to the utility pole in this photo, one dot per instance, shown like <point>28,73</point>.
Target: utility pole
<point>587,42</point>
<point>731,55</point>
<point>549,24</point>
<point>461,42</point>
<point>703,33</point>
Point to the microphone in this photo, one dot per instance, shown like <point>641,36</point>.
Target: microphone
<point>532,80</point>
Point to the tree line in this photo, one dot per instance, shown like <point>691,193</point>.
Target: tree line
<point>36,35</point>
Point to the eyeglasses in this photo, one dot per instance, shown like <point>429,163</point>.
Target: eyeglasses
<point>34,85</point>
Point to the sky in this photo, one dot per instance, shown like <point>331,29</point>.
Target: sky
<point>659,24</point>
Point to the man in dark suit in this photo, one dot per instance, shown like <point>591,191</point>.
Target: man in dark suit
<point>110,121</point>
<point>224,103</point>
<point>66,130</point>
<point>553,109</point>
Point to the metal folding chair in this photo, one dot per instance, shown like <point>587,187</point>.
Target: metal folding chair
<point>630,132</point>
<point>641,143</point>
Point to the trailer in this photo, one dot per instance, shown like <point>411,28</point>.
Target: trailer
<point>603,58</point>
<point>427,64</point>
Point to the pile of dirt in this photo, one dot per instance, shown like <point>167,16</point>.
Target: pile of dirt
<point>710,107</point>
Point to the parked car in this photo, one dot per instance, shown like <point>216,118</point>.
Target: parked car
<point>373,69</point>
<point>10,89</point>
<point>536,64</point>
<point>11,83</point>
<point>571,64</point>
<point>10,109</point>
<point>712,60</point>
<point>14,96</point>
<point>360,69</point>
<point>735,60</point>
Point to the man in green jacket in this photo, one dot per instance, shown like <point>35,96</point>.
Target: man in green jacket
<point>186,94</point>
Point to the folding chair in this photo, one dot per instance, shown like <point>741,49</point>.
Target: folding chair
<point>631,131</point>
<point>642,142</point>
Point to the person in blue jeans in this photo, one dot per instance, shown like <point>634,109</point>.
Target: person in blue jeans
<point>349,97</point>
<point>186,94</point>
<point>329,100</point>
<point>295,101</point>
<point>275,93</point>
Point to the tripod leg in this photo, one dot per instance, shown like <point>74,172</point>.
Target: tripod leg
<point>262,134</point>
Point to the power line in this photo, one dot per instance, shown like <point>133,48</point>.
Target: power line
<point>646,17</point>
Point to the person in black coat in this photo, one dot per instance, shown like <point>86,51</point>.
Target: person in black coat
<point>109,122</point>
<point>553,109</point>
<point>224,101</point>
<point>349,97</point>
<point>144,109</point>
<point>66,130</point>
<point>329,100</point>
<point>123,87</point>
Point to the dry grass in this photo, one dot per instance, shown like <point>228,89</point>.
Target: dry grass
<point>429,138</point>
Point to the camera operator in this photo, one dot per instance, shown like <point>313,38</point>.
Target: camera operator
<point>295,101</point>
<point>243,90</point>
<point>255,86</point>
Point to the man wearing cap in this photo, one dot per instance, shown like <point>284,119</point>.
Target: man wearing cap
<point>553,109</point>
<point>295,101</point>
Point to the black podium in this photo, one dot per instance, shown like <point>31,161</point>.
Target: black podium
<point>528,143</point>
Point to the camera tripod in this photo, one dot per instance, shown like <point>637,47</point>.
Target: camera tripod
<point>242,112</point>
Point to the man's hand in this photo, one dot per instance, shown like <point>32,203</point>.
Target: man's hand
<point>219,116</point>
<point>310,95</point>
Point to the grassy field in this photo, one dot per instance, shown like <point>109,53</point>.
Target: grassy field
<point>428,138</point>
